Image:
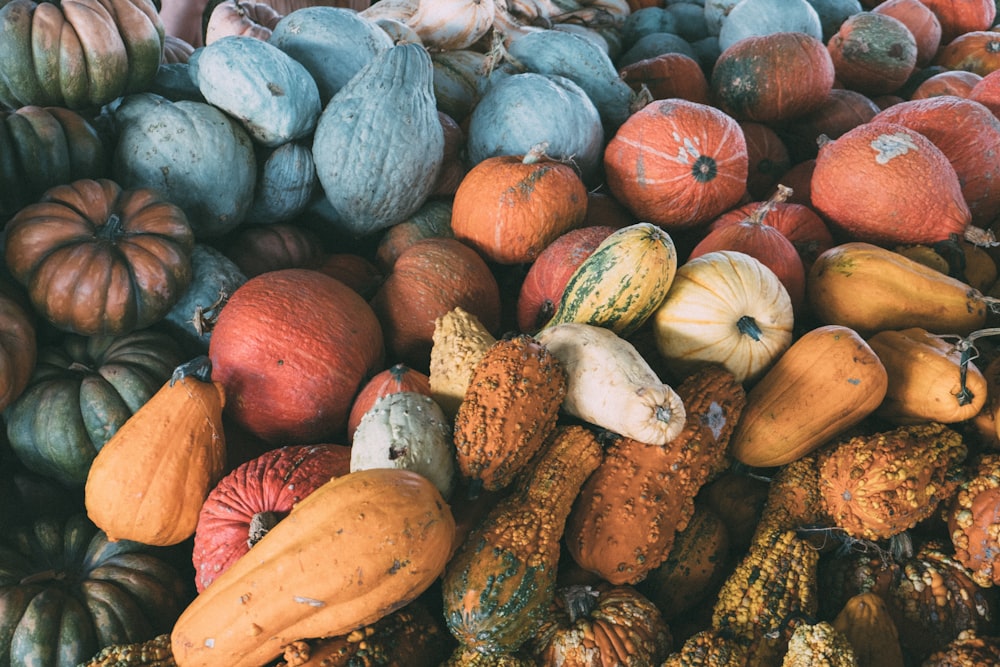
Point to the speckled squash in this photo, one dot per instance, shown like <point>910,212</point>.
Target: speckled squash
<point>459,342</point>
<point>509,410</point>
<point>398,377</point>
<point>498,587</point>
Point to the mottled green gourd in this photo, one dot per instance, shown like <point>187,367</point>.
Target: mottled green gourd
<point>499,585</point>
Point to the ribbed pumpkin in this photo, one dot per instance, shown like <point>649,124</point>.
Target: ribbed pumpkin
<point>456,24</point>
<point>873,53</point>
<point>885,183</point>
<point>80,55</point>
<point>772,78</point>
<point>920,21</point>
<point>260,248</point>
<point>286,180</point>
<point>250,500</point>
<point>949,82</point>
<point>244,18</point>
<point>18,346</point>
<point>867,623</point>
<point>767,158</point>
<point>509,208</point>
<point>97,258</point>
<point>291,348</point>
<point>977,51</point>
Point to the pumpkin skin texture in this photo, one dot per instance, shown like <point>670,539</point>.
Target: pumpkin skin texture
<point>885,183</point>
<point>974,521</point>
<point>399,377</point>
<point>69,591</point>
<point>873,53</point>
<point>291,348</point>
<point>772,78</point>
<point>257,249</point>
<point>101,260</point>
<point>510,208</point>
<point>244,18</point>
<point>286,179</point>
<point>828,380</point>
<point>82,391</point>
<point>669,75</point>
<point>921,22</point>
<point>302,576</point>
<point>18,348</point>
<point>80,55</point>
<point>958,17</point>
<point>254,497</point>
<point>149,481</point>
<point>843,110</point>
<point>677,164</point>
<point>950,82</point>
<point>428,280</point>
<point>768,158</point>
<point>367,192</point>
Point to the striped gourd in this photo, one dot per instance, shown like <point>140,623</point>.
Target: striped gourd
<point>622,282</point>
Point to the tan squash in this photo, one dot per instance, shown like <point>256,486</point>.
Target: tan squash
<point>868,625</point>
<point>828,380</point>
<point>460,340</point>
<point>926,379</point>
<point>358,548</point>
<point>148,482</point>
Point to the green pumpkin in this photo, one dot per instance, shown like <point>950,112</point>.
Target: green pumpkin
<point>199,157</point>
<point>66,592</point>
<point>45,146</point>
<point>457,79</point>
<point>286,179</point>
<point>271,94</point>
<point>80,394</point>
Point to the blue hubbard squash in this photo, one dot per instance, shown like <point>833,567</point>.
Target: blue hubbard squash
<point>380,180</point>
<point>286,180</point>
<point>270,93</point>
<point>198,157</point>
<point>763,17</point>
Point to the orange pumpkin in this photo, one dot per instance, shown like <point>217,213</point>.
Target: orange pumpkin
<point>677,164</point>
<point>509,208</point>
<point>883,182</point>
<point>843,110</point>
<point>974,521</point>
<point>958,17</point>
<point>951,82</point>
<point>920,21</point>
<point>768,158</point>
<point>668,75</point>
<point>987,92</point>
<point>977,51</point>
<point>873,53</point>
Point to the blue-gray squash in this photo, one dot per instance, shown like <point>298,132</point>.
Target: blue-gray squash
<point>520,111</point>
<point>286,179</point>
<point>580,60</point>
<point>199,157</point>
<point>379,144</point>
<point>333,43</point>
<point>214,278</point>
<point>270,93</point>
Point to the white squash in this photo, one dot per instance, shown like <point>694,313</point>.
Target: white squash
<point>610,385</point>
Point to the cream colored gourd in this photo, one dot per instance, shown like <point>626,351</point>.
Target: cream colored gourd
<point>724,307</point>
<point>610,385</point>
<point>452,24</point>
<point>406,430</point>
<point>459,341</point>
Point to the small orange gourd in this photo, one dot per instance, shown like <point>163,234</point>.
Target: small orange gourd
<point>148,482</point>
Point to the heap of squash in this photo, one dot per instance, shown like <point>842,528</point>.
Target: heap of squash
<point>501,333</point>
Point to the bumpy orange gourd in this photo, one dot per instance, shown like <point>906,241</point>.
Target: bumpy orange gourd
<point>974,521</point>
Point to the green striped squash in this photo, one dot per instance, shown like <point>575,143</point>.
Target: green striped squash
<point>622,282</point>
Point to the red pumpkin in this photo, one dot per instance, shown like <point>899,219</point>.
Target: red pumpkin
<point>603,210</point>
<point>677,164</point>
<point>977,51</point>
<point>768,158</point>
<point>952,82</point>
<point>397,378</point>
<point>355,271</point>
<point>873,53</point>
<point>257,249</point>
<point>920,21</point>
<point>18,347</point>
<point>427,281</point>
<point>958,17</point>
<point>887,184</point>
<point>799,180</point>
<point>843,110</point>
<point>453,167</point>
<point>987,92</point>
<point>669,75</point>
<point>546,280</point>
<point>292,347</point>
<point>254,497</point>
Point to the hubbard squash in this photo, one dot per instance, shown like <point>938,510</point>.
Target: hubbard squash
<point>356,549</point>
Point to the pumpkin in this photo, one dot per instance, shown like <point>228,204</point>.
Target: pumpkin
<point>149,480</point>
<point>99,259</point>
<point>82,391</point>
<point>767,158</point>
<point>509,208</point>
<point>453,166</point>
<point>928,378</point>
<point>629,511</point>
<point>149,653</point>
<point>546,279</point>
<point>873,53</point>
<point>251,499</point>
<point>368,192</point>
<point>407,430</point>
<point>843,110</point>
<point>257,249</point>
<point>459,342</point>
<point>708,647</point>
<point>185,149</point>
<point>508,411</point>
<point>393,521</point>
<point>81,55</point>
<point>869,288</point>
<point>772,78</point>
<point>950,82</point>
<point>668,75</point>
<point>602,624</point>
<point>728,308</point>
<point>977,51</point>
<point>986,92</point>
<point>622,282</point>
<point>244,18</point>
<point>860,179</point>
<point>68,592</point>
<point>969,136</point>
<point>286,179</point>
<point>677,164</point>
<point>973,520</point>
<point>458,74</point>
<point>739,499</point>
<point>18,347</point>
<point>397,378</point>
<point>354,270</point>
<point>920,21</point>
<point>43,147</point>
<point>432,220</point>
<point>498,587</point>
<point>763,17</point>
<point>175,50</point>
<point>828,380</point>
<point>316,340</point>
<point>866,622</point>
<point>876,486</point>
<point>958,18</point>
<point>457,24</point>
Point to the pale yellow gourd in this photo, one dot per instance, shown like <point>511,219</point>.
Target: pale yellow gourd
<point>459,341</point>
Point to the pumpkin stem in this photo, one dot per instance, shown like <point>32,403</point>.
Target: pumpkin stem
<point>580,600</point>
<point>113,228</point>
<point>781,195</point>
<point>985,238</point>
<point>967,347</point>
<point>536,153</point>
<point>748,326</point>
<point>260,525</point>
<point>200,368</point>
